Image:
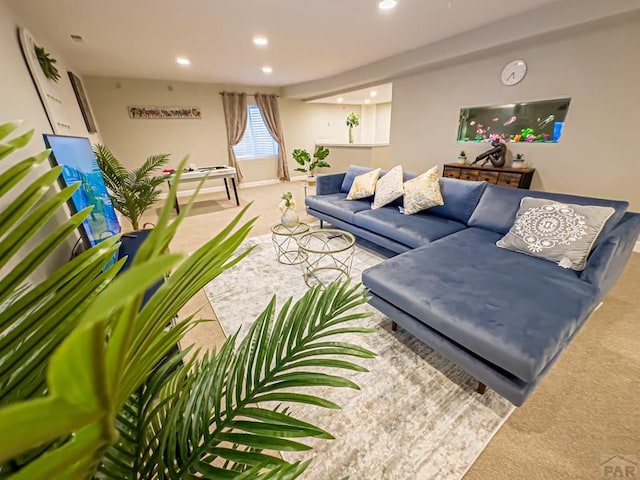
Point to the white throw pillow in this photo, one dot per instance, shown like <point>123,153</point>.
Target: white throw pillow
<point>422,192</point>
<point>364,185</point>
<point>389,187</point>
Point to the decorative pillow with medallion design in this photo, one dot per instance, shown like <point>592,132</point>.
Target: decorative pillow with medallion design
<point>364,185</point>
<point>560,232</point>
<point>389,188</point>
<point>422,192</point>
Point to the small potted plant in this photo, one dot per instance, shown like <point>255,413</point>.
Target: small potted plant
<point>462,157</point>
<point>518,161</point>
<point>308,164</point>
<point>353,120</point>
<point>287,207</point>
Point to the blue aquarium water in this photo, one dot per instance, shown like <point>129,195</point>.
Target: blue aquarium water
<point>531,122</point>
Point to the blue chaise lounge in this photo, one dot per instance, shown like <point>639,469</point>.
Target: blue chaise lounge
<point>503,316</point>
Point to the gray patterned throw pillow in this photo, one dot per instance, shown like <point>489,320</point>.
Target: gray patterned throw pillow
<point>560,232</point>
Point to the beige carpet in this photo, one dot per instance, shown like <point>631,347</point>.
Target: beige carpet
<point>585,410</point>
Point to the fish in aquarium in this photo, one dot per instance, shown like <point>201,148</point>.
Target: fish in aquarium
<point>472,123</point>
<point>547,121</point>
<point>495,119</point>
<point>510,121</point>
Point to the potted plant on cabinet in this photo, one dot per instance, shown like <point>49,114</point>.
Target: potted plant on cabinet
<point>353,120</point>
<point>308,164</point>
<point>132,192</point>
<point>518,161</point>
<point>462,157</point>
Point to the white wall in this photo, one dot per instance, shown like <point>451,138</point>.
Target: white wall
<point>305,124</point>
<point>19,100</point>
<point>383,122</point>
<point>132,140</point>
<point>599,69</point>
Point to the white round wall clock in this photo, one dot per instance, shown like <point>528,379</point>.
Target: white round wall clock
<point>514,72</point>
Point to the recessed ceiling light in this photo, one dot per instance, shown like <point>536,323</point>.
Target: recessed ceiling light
<point>76,38</point>
<point>387,4</point>
<point>367,101</point>
<point>183,61</point>
<point>340,100</point>
<point>373,94</point>
<point>260,41</point>
<point>267,70</point>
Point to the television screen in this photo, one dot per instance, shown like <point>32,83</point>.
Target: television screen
<point>78,162</point>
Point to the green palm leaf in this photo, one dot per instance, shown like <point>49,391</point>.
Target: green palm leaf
<point>151,164</point>
<point>264,364</point>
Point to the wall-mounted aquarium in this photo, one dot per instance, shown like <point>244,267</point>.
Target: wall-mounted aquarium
<point>533,122</point>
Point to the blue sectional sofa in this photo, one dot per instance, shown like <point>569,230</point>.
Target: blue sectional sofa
<point>504,317</point>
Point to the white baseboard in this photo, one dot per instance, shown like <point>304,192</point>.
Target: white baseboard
<point>637,247</point>
<point>188,193</point>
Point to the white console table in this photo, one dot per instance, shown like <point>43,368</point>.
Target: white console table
<point>211,174</point>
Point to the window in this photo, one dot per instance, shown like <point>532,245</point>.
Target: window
<point>256,141</point>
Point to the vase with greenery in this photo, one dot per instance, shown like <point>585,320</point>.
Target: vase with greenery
<point>287,207</point>
<point>84,392</point>
<point>462,157</point>
<point>308,164</point>
<point>132,192</point>
<point>353,120</point>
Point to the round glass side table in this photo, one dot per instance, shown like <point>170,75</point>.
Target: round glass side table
<point>285,242</point>
<point>327,256</point>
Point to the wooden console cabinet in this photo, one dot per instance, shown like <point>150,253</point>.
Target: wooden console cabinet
<point>504,176</point>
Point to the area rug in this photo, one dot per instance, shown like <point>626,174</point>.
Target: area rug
<point>416,417</point>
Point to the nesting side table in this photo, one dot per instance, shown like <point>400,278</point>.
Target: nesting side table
<point>327,256</point>
<point>285,242</point>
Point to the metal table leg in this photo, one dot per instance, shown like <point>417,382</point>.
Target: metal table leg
<point>235,190</point>
<point>226,187</point>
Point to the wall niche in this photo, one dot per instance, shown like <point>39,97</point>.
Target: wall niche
<point>531,122</point>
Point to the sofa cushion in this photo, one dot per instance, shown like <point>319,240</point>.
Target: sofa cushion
<point>513,310</point>
<point>422,192</point>
<point>352,173</point>
<point>388,188</point>
<point>337,205</point>
<point>411,230</point>
<point>559,232</point>
<point>364,185</point>
<point>498,206</point>
<point>460,199</point>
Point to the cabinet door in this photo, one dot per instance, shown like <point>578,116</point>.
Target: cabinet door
<point>451,172</point>
<point>509,179</point>
<point>469,174</point>
<point>491,177</point>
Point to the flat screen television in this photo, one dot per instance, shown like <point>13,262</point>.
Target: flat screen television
<point>78,162</point>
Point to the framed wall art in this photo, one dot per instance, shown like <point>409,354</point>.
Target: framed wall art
<point>153,112</point>
<point>78,89</point>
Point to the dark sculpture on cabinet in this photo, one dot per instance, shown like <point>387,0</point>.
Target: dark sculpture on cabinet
<point>496,155</point>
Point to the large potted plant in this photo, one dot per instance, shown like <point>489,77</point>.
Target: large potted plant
<point>308,164</point>
<point>85,399</point>
<point>353,120</point>
<point>132,192</point>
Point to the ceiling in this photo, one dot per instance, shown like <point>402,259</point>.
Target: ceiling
<point>371,96</point>
<point>308,39</point>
